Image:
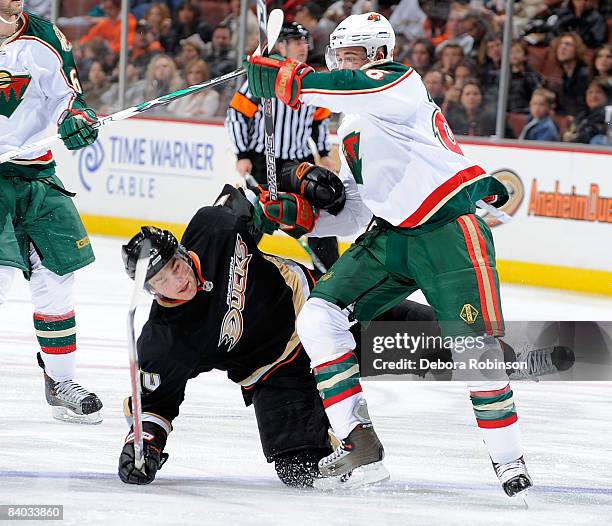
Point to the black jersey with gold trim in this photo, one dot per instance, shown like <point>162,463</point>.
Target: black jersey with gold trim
<point>242,321</point>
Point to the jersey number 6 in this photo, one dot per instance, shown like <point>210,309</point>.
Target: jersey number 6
<point>443,132</point>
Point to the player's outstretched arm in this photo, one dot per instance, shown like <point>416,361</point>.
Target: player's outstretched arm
<point>390,89</point>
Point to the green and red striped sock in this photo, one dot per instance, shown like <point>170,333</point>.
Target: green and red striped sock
<point>56,334</point>
<point>338,379</point>
<point>494,409</point>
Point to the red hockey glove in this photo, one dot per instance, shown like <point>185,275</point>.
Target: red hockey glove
<point>270,77</point>
<point>294,214</point>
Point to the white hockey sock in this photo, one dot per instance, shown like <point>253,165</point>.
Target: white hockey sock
<point>496,417</point>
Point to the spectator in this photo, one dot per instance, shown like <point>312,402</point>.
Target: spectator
<point>109,28</point>
<point>590,127</point>
<point>435,26</point>
<point>220,57</point>
<point>524,11</point>
<point>422,55</point>
<point>109,101</point>
<point>473,27</point>
<point>465,70</point>
<point>581,18</point>
<point>145,47</point>
<point>435,83</point>
<point>601,65</point>
<point>407,19</point>
<point>452,95</point>
<point>96,85</point>
<point>569,53</point>
<point>470,117</point>
<point>489,59</point>
<point>310,15</point>
<point>202,104</point>
<point>184,25</point>
<point>162,77</point>
<point>192,48</point>
<point>95,49</point>
<point>449,57</point>
<point>159,20</point>
<point>232,22</point>
<point>540,126</point>
<point>523,80</point>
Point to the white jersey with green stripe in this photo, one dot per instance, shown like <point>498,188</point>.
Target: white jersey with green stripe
<point>38,81</point>
<point>399,158</point>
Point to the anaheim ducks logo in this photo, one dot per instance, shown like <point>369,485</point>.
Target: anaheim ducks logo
<point>232,324</point>
<point>12,91</point>
<point>516,190</point>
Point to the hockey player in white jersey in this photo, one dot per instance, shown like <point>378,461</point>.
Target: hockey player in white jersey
<point>41,232</point>
<point>401,165</point>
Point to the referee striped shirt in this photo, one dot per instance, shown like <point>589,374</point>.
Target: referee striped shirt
<point>245,125</point>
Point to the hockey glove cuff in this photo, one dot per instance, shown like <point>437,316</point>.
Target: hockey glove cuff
<point>270,77</point>
<point>154,441</point>
<point>78,128</point>
<point>320,186</point>
<point>291,212</point>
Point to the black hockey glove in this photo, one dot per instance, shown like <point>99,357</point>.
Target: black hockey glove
<point>154,440</point>
<point>322,187</point>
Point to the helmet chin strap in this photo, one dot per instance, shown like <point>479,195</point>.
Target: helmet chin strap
<point>2,19</point>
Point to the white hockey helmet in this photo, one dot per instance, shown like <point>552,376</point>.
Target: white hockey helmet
<point>370,31</point>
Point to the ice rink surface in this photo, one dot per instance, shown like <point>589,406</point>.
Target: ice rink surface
<point>216,474</point>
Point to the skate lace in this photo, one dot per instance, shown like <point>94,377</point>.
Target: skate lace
<point>338,452</point>
<point>70,391</point>
<point>539,362</point>
<point>509,470</point>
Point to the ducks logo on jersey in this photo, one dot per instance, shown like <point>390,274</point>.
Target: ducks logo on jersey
<point>12,91</point>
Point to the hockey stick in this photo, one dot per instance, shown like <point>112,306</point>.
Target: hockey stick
<point>274,26</point>
<point>267,107</point>
<point>139,280</point>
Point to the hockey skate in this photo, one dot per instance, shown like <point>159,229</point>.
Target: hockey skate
<point>357,460</point>
<point>514,477</point>
<point>540,362</point>
<point>70,402</point>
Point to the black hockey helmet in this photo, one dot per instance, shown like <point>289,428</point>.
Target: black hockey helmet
<point>293,30</point>
<point>164,246</point>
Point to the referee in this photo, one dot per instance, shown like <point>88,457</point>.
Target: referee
<point>293,129</point>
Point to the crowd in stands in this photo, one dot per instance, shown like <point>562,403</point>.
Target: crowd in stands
<point>560,57</point>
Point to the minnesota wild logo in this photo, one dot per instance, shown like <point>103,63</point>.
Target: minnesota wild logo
<point>12,90</point>
<point>350,148</point>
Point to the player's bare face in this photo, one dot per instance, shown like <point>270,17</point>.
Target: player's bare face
<point>351,57</point>
<point>297,49</point>
<point>10,8</point>
<point>176,281</point>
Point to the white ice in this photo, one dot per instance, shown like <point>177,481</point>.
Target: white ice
<point>217,474</point>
